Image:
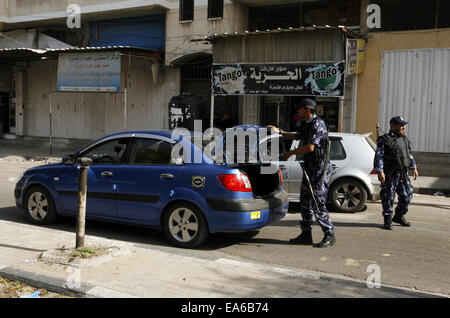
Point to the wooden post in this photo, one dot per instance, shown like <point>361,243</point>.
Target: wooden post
<point>341,114</point>
<point>211,123</point>
<point>51,122</point>
<point>82,198</point>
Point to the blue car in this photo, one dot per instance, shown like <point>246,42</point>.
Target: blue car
<point>135,179</point>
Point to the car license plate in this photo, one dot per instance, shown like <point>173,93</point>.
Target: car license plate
<point>256,215</point>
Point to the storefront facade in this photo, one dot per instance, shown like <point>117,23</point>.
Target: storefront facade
<point>113,89</point>
<point>304,48</point>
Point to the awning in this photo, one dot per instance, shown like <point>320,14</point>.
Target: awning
<point>215,36</point>
<point>191,58</point>
<point>30,39</point>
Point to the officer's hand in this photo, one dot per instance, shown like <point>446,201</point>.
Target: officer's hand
<point>287,155</point>
<point>275,129</point>
<point>381,177</point>
<point>416,174</point>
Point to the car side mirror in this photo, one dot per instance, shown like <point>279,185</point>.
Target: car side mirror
<point>68,160</point>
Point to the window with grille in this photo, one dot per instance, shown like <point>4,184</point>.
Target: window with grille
<point>215,9</point>
<point>186,10</point>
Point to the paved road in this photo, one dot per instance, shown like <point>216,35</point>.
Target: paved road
<point>416,257</point>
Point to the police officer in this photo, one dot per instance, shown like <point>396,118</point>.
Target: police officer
<point>393,159</point>
<point>313,132</point>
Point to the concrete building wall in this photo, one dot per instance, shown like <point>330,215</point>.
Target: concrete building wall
<point>19,11</point>
<point>369,81</point>
<point>179,35</point>
<point>92,115</point>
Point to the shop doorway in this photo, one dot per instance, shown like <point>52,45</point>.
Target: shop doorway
<point>4,114</point>
<point>281,111</point>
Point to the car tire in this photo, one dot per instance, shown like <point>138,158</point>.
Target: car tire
<point>348,195</point>
<point>39,206</point>
<point>185,230</point>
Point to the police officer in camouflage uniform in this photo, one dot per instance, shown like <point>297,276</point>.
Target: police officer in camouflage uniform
<point>393,159</point>
<point>313,132</point>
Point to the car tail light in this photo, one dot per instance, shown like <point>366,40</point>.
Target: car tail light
<point>373,172</point>
<point>236,182</point>
<point>280,175</point>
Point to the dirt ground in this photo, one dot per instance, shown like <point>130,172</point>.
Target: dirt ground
<point>9,289</point>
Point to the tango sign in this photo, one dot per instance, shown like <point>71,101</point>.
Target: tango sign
<point>321,79</point>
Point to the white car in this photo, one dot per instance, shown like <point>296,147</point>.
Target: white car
<point>353,180</point>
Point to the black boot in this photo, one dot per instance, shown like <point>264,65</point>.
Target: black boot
<point>305,238</point>
<point>387,223</point>
<point>401,220</point>
<point>328,240</point>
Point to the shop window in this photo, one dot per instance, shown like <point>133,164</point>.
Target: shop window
<point>186,10</point>
<point>403,15</point>
<point>331,12</point>
<point>215,9</point>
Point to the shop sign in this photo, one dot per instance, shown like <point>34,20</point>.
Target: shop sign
<point>356,56</point>
<point>89,72</point>
<point>321,79</point>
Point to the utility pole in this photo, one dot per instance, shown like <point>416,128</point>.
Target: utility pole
<point>82,198</point>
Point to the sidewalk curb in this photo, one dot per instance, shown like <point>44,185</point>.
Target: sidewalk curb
<point>58,285</point>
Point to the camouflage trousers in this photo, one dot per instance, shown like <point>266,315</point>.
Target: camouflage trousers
<point>404,190</point>
<point>308,207</point>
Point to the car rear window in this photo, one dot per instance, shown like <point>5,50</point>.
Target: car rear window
<point>371,143</point>
<point>337,150</point>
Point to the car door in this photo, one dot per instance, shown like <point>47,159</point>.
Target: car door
<point>103,177</point>
<point>149,179</point>
<point>338,159</point>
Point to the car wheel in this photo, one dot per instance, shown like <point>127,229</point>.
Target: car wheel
<point>185,226</point>
<point>348,195</point>
<point>39,205</point>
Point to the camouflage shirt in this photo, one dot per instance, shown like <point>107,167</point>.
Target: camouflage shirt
<point>314,131</point>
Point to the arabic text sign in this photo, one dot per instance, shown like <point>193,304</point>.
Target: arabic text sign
<point>89,72</point>
<point>321,79</point>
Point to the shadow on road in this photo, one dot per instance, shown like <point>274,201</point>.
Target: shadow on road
<point>134,234</point>
<point>142,235</point>
<point>437,206</point>
<point>295,223</point>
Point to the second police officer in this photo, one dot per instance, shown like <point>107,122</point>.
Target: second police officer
<point>313,132</point>
<point>393,159</point>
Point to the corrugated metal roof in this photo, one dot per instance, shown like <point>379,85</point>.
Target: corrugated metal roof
<point>327,44</point>
<point>24,53</point>
<point>215,36</point>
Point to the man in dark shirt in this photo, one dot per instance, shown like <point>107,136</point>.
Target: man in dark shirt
<point>393,172</point>
<point>313,132</point>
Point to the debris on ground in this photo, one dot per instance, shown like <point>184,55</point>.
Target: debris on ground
<point>33,295</point>
<point>31,260</point>
<point>10,289</point>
